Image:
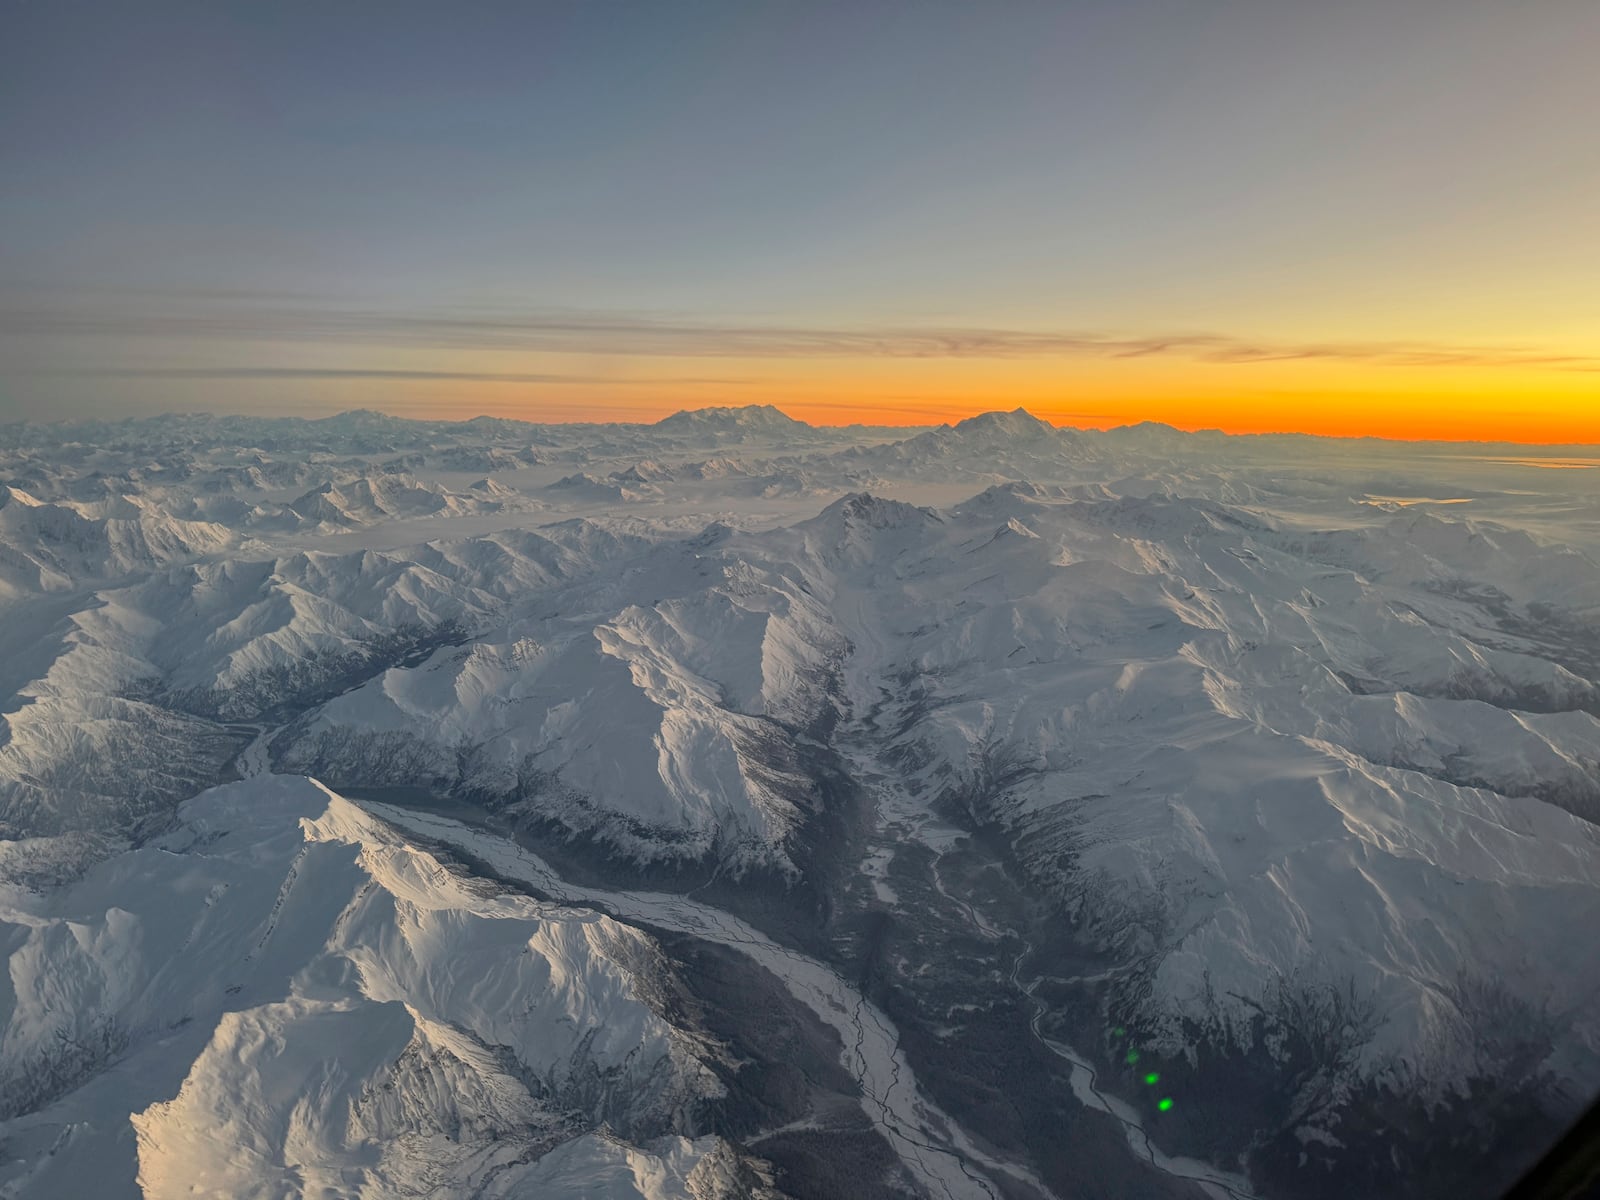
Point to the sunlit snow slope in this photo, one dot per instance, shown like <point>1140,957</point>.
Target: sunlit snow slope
<point>292,999</point>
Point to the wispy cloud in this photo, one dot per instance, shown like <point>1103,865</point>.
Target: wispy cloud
<point>552,331</point>
<point>335,373</point>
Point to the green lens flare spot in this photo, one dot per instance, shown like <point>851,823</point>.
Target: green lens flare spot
<point>1118,1031</point>
<point>1132,1057</point>
<point>1165,1104</point>
<point>1152,1078</point>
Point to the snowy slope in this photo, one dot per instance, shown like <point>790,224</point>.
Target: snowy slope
<point>297,999</point>
<point>117,695</point>
<point>53,546</point>
<point>379,496</point>
<point>658,711</point>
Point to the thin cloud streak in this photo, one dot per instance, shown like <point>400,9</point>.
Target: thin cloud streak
<point>335,373</point>
<point>613,334</point>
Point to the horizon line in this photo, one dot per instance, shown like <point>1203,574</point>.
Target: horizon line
<point>912,429</point>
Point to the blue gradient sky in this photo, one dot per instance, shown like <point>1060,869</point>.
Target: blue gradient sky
<point>309,206</point>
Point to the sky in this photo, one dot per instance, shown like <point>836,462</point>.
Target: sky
<point>1375,217</point>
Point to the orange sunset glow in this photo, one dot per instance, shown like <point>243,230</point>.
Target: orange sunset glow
<point>1499,404</point>
<point>1347,220</point>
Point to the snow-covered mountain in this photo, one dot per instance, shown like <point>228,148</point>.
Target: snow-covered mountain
<point>48,547</point>
<point>281,995</point>
<point>663,715</point>
<point>724,425</point>
<point>1041,759</point>
<point>380,496</point>
<point>1196,735</point>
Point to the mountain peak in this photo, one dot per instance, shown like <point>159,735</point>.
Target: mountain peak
<point>1153,431</point>
<point>863,508</point>
<point>15,495</point>
<point>359,417</point>
<point>754,418</point>
<point>1019,422</point>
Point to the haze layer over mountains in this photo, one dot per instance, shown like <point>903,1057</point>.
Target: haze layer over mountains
<point>731,807</point>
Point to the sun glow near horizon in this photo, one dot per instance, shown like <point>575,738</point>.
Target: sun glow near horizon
<point>1508,405</point>
<point>1352,219</point>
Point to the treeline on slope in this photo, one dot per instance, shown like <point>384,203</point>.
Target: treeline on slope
<point>132,763</point>
<point>74,1056</point>
<point>1287,1093</point>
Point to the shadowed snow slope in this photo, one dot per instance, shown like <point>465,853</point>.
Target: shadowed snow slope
<point>1234,762</point>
